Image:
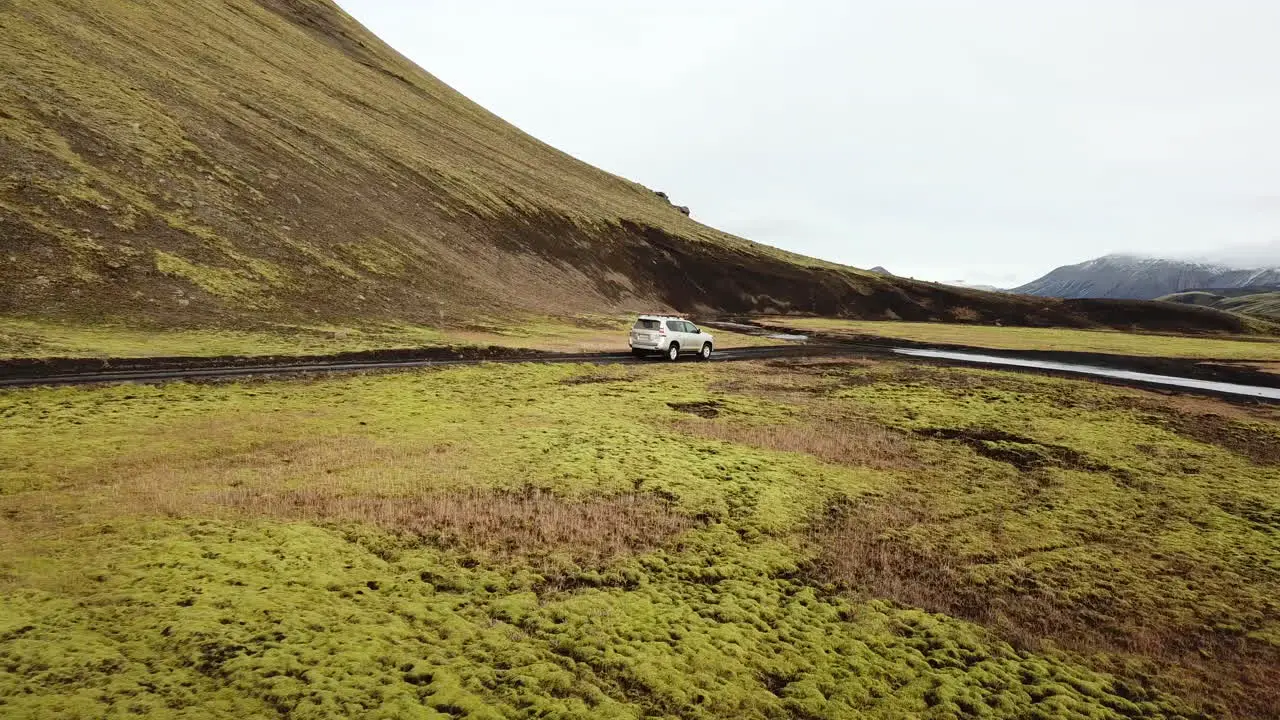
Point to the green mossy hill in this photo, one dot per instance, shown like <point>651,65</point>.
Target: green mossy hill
<point>1259,303</point>
<point>238,163</point>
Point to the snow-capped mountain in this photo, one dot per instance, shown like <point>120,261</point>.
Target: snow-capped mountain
<point>1141,278</point>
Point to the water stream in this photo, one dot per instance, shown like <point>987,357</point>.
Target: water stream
<point>1169,380</point>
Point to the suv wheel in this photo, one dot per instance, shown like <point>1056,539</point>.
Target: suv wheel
<point>705,353</point>
<point>673,352</point>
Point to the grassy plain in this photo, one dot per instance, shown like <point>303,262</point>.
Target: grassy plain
<point>802,538</point>
<point>1065,339</point>
<point>582,333</point>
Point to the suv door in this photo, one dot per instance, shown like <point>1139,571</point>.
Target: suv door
<point>678,334</point>
<point>693,337</point>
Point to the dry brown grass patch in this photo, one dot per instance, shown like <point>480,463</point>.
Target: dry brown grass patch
<point>847,442</point>
<point>964,314</point>
<point>423,491</point>
<point>870,548</point>
<point>1248,430</point>
<point>866,546</point>
<point>797,380</point>
<point>1260,444</point>
<point>527,523</point>
<point>823,364</point>
<point>1195,405</point>
<point>1267,367</point>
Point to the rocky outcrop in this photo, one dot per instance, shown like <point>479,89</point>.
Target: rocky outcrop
<point>682,209</point>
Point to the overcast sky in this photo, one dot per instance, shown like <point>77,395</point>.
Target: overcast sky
<point>977,140</point>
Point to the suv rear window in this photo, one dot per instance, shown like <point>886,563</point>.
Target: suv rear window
<point>645,325</point>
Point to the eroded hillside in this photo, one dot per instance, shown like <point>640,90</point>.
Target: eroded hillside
<point>250,162</point>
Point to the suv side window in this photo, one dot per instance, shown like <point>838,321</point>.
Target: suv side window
<point>690,327</point>
<point>675,326</point>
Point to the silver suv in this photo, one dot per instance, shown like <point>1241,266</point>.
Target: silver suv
<point>669,336</point>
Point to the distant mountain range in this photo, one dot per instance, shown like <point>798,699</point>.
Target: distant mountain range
<point>972,286</point>
<point>881,270</point>
<point>1139,278</point>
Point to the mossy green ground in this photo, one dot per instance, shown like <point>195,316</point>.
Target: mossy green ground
<point>1065,339</point>
<point>129,586</point>
<point>25,338</point>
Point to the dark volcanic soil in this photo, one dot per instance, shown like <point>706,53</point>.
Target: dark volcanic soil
<point>48,367</point>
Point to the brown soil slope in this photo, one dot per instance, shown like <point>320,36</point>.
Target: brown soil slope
<point>242,162</point>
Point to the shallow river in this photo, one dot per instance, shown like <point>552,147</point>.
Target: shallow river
<point>1171,381</point>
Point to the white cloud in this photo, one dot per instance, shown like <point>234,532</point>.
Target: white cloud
<point>947,138</point>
